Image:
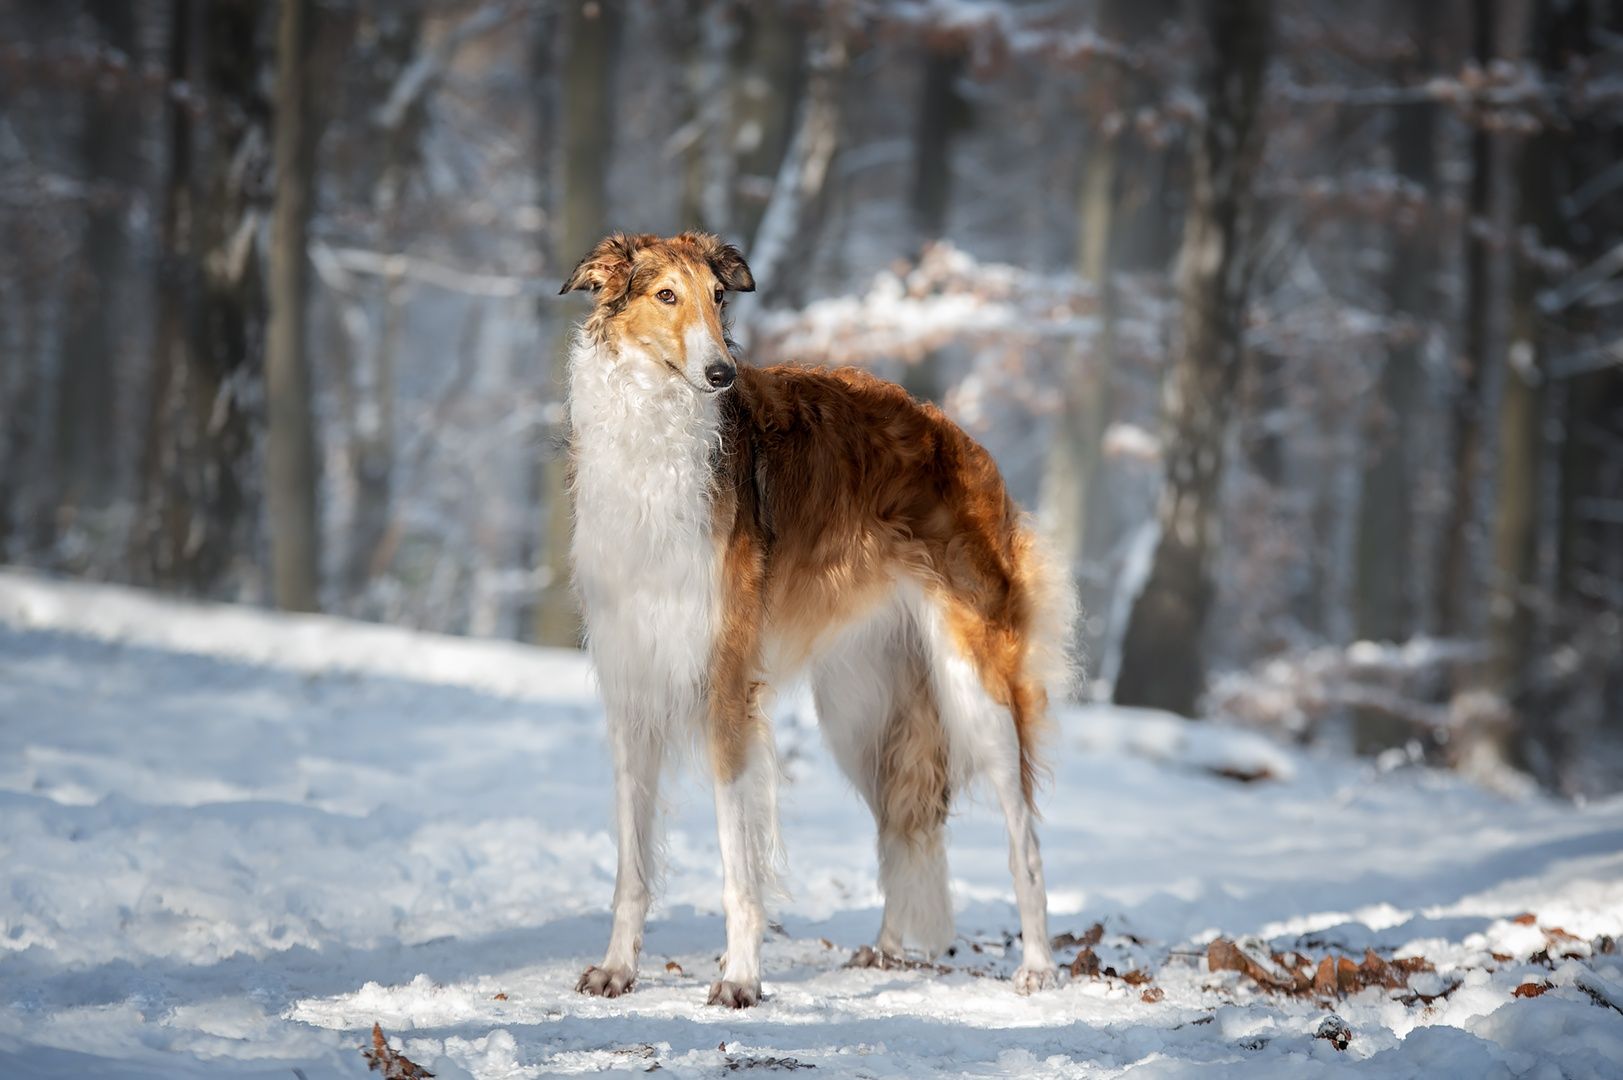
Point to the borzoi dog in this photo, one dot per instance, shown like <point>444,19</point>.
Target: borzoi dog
<point>736,526</point>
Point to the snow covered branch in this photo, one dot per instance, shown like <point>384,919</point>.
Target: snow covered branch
<point>335,265</point>
<point>1291,692</point>
<point>908,312</point>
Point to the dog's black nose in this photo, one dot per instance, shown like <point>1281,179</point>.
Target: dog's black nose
<point>720,374</point>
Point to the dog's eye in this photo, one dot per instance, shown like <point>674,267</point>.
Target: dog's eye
<point>720,292</point>
<point>665,296</point>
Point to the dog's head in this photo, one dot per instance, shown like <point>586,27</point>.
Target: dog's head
<point>666,299</point>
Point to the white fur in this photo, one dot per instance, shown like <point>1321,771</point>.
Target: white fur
<point>746,823</point>
<point>853,686</point>
<point>647,566</point>
<point>647,571</point>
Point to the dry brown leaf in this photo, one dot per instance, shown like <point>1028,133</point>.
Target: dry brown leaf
<point>391,1063</point>
<point>1526,918</point>
<point>1152,995</point>
<point>499,996</point>
<point>1089,938</point>
<point>1555,933</point>
<point>1501,957</point>
<point>1086,963</point>
<point>1294,961</point>
<point>1338,976</point>
<point>1374,971</point>
<point>674,968</point>
<point>1136,977</point>
<point>1223,955</point>
<point>1324,980</point>
<point>825,943</point>
<point>1531,989</point>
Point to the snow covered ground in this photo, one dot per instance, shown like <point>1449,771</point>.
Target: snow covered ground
<point>230,842</point>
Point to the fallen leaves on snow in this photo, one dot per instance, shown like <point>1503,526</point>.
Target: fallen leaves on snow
<point>391,1063</point>
<point>1090,937</point>
<point>785,1064</point>
<point>1333,976</point>
<point>1086,963</point>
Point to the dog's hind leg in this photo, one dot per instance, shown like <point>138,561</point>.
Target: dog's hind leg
<point>638,753</point>
<point>877,709</point>
<point>984,740</point>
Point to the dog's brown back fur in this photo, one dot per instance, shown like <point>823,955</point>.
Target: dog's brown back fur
<point>836,480</point>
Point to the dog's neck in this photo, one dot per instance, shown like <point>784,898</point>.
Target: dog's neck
<point>644,445</point>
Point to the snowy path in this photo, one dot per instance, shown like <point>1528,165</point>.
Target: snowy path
<point>218,861</point>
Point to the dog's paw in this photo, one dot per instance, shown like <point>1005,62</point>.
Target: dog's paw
<point>870,957</point>
<point>731,995</point>
<point>606,982</point>
<point>1029,980</point>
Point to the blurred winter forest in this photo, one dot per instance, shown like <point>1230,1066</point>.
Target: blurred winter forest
<point>1298,324</point>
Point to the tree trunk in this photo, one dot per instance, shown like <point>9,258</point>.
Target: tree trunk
<point>86,443</point>
<point>381,167</point>
<point>1088,388</point>
<point>592,33</point>
<point>768,57</point>
<point>195,532</point>
<point>21,381</point>
<point>1162,662</point>
<point>800,193</point>
<point>1457,552</point>
<point>1519,607</point>
<point>707,157</point>
<point>941,114</point>
<point>290,456</point>
<point>1383,585</point>
<point>1072,497</point>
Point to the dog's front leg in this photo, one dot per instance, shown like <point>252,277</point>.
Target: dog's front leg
<point>747,823</point>
<point>638,753</point>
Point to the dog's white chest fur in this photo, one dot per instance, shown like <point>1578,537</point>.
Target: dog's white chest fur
<point>646,561</point>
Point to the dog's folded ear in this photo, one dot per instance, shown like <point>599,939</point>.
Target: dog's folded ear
<point>729,265</point>
<point>726,260</point>
<point>607,269</point>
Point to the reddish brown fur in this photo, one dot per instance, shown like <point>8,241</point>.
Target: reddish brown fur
<point>844,483</point>
<point>831,486</point>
